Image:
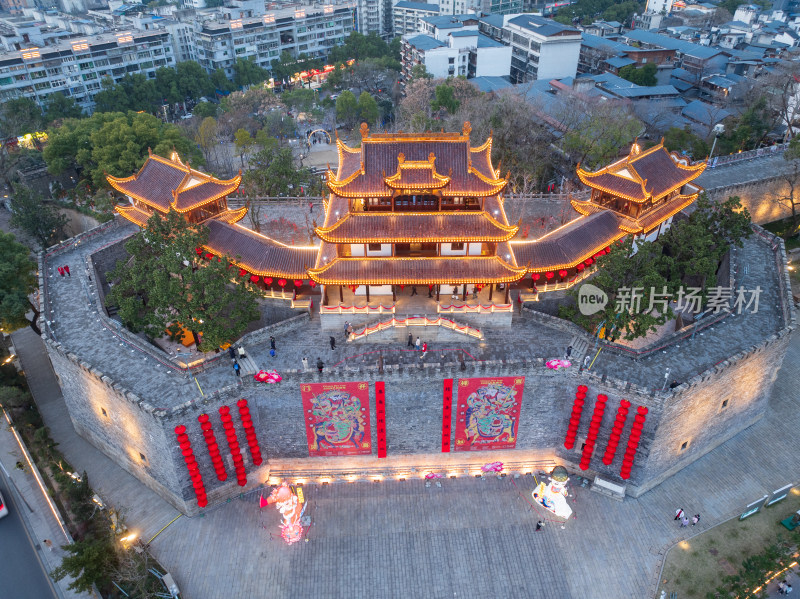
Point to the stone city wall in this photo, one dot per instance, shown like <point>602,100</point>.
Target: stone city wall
<point>758,196</point>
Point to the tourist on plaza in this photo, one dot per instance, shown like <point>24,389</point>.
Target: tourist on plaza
<point>418,343</point>
<point>237,369</point>
<point>231,354</point>
<point>586,362</point>
<point>333,342</point>
<point>684,522</point>
<point>320,365</point>
<point>424,350</point>
<point>271,342</point>
<point>569,351</point>
<point>413,290</point>
<point>346,326</point>
<point>788,589</point>
<point>673,384</point>
<point>678,514</point>
<point>61,271</point>
<point>539,526</point>
<point>782,587</point>
<point>349,330</point>
<point>66,270</point>
<point>695,519</point>
<point>410,340</point>
<point>305,364</point>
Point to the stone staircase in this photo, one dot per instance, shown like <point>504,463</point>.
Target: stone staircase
<point>580,345</point>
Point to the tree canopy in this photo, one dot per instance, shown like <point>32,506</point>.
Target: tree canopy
<point>358,46</point>
<point>115,143</point>
<point>347,108</point>
<point>167,282</point>
<point>587,11</point>
<point>684,140</point>
<point>17,282</point>
<point>644,75</point>
<point>367,109</point>
<point>41,221</point>
<point>20,116</point>
<point>58,106</point>
<point>134,92</point>
<point>246,72</point>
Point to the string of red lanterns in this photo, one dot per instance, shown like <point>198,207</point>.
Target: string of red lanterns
<point>616,432</point>
<point>575,418</point>
<point>633,442</point>
<point>249,431</point>
<point>213,448</point>
<point>594,427</point>
<point>191,465</point>
<point>233,445</point>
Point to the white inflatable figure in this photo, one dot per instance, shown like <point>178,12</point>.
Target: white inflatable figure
<point>553,495</point>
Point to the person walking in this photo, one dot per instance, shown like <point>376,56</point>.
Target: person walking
<point>410,340</point>
<point>695,519</point>
<point>305,364</point>
<point>684,522</point>
<point>569,351</point>
<point>782,587</point>
<point>418,344</point>
<point>61,271</point>
<point>49,544</point>
<point>237,369</point>
<point>333,342</point>
<point>346,326</point>
<point>413,290</point>
<point>586,361</point>
<point>678,514</point>
<point>231,355</point>
<point>320,365</point>
<point>539,526</point>
<point>788,589</point>
<point>311,207</point>
<point>271,342</point>
<point>66,270</point>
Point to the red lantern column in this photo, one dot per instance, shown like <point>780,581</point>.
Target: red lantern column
<point>233,445</point>
<point>213,448</point>
<point>191,464</point>
<point>594,427</point>
<point>633,442</point>
<point>250,432</point>
<point>575,418</point>
<point>616,432</point>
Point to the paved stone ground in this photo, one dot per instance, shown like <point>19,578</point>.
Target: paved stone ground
<point>468,538</point>
<point>744,171</point>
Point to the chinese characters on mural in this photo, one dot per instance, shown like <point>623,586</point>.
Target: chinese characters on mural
<point>337,418</point>
<point>488,413</point>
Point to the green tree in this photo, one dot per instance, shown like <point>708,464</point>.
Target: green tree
<point>347,108</point>
<point>58,106</point>
<point>624,269</point>
<point>644,75</point>
<point>445,99</point>
<point>205,109</point>
<point>418,71</point>
<point>246,72</point>
<point>167,85</point>
<point>595,131</point>
<point>134,92</point>
<point>358,47</point>
<point>17,282</point>
<point>113,143</point>
<point>20,116</point>
<point>302,99</point>
<point>166,282</point>
<point>367,109</point>
<point>220,81</point>
<point>193,80</point>
<point>91,562</point>
<point>41,221</point>
<point>275,173</point>
<point>244,143</point>
<point>685,141</point>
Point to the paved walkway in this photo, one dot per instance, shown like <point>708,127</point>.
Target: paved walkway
<point>468,538</point>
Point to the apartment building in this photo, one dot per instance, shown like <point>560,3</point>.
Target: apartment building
<point>542,49</point>
<point>371,16</point>
<point>460,53</point>
<point>77,67</point>
<point>308,30</point>
<point>406,16</point>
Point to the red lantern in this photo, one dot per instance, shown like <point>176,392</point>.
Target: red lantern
<point>579,267</point>
<point>536,276</point>
<point>549,275</point>
<point>608,250</point>
<point>242,272</point>
<point>282,282</point>
<point>242,403</point>
<point>588,262</point>
<point>268,280</point>
<point>199,251</point>
<point>180,429</point>
<point>313,283</point>
<point>562,273</point>
<point>253,279</point>
<point>298,283</point>
<point>209,256</point>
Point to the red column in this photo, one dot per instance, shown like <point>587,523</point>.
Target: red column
<point>575,418</point>
<point>447,414</point>
<point>233,445</point>
<point>616,432</point>
<point>213,448</point>
<point>191,464</point>
<point>633,442</point>
<point>249,432</point>
<point>380,416</point>
<point>594,427</point>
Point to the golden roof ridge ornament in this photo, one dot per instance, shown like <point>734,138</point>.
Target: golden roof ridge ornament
<point>466,129</point>
<point>364,130</point>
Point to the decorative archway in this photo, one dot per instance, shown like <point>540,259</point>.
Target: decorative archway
<point>310,133</point>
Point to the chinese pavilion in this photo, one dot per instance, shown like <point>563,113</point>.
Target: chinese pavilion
<point>423,210</point>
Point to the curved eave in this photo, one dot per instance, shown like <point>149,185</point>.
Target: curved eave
<point>231,188</point>
<point>585,256</point>
<point>615,192</point>
<point>394,182</point>
<point>136,196</point>
<point>271,272</point>
<point>231,216</point>
<point>132,214</point>
<point>324,276</point>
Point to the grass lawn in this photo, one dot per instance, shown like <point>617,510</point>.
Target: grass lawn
<point>778,227</point>
<point>696,566</point>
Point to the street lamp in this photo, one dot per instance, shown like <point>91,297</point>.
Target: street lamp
<point>719,129</point>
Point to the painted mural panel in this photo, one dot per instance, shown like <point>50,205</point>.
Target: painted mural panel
<point>337,418</point>
<point>488,413</point>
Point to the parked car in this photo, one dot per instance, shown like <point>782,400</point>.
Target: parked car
<point>3,508</point>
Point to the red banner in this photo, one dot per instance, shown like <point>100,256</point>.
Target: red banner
<point>447,413</point>
<point>337,418</point>
<point>380,417</point>
<point>488,413</point>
